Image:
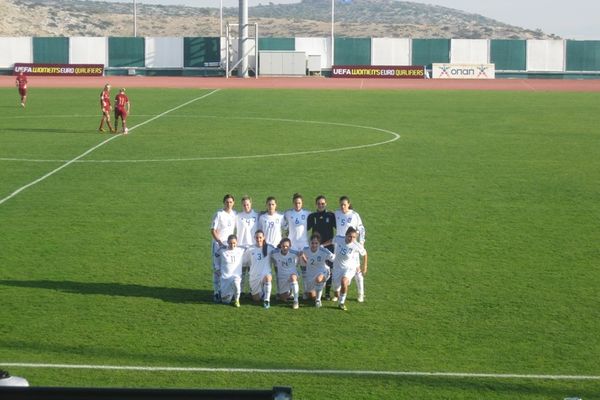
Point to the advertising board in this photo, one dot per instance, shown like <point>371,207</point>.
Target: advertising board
<point>378,72</point>
<point>463,71</point>
<point>59,69</point>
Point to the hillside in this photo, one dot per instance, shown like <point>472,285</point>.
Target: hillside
<point>311,18</point>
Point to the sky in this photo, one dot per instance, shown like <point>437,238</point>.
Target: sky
<point>575,19</point>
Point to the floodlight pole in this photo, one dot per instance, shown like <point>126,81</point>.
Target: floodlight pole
<point>332,29</point>
<point>134,19</point>
<point>221,20</point>
<point>243,39</point>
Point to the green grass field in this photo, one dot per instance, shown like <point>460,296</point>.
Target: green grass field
<point>483,232</point>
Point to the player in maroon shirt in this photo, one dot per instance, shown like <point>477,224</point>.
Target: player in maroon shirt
<point>121,110</point>
<point>106,108</point>
<point>21,84</point>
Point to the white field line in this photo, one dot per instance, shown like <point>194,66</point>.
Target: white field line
<point>67,163</point>
<point>306,371</point>
<point>395,136</point>
<point>59,116</point>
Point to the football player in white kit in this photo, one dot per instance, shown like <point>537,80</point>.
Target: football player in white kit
<point>346,217</point>
<point>315,257</point>
<point>285,260</point>
<point>258,257</point>
<point>246,225</point>
<point>223,225</point>
<point>230,271</point>
<point>272,222</point>
<point>346,263</point>
<point>7,380</point>
<point>296,219</point>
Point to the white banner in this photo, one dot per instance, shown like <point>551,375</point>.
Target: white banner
<point>463,71</point>
<point>164,52</point>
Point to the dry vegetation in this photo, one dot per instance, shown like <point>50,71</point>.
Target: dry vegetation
<point>310,18</point>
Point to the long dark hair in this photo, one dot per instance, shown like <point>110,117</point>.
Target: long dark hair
<point>265,246</point>
<point>346,198</point>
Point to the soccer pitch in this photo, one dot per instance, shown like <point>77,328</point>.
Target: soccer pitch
<point>482,214</point>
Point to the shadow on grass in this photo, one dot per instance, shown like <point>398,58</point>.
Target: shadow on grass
<point>500,388</point>
<point>45,130</point>
<point>402,386</point>
<point>119,355</point>
<point>171,295</point>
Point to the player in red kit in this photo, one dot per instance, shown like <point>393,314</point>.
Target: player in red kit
<point>121,110</point>
<point>105,107</point>
<point>21,84</point>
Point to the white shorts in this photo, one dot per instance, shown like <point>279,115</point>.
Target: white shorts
<point>338,274</point>
<point>256,284</point>
<point>310,284</point>
<point>230,287</point>
<point>215,257</point>
<point>284,280</point>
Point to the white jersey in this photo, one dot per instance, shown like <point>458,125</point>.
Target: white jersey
<point>316,260</point>
<point>296,222</point>
<point>246,225</point>
<point>316,266</point>
<point>272,226</point>
<point>350,219</point>
<point>347,255</point>
<point>286,267</point>
<point>260,264</point>
<point>285,263</point>
<point>230,262</point>
<point>224,223</point>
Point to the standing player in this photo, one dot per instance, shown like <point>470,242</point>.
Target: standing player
<point>229,270</point>
<point>272,222</point>
<point>21,84</point>
<point>346,217</point>
<point>258,257</point>
<point>296,219</point>
<point>317,271</point>
<point>323,223</point>
<point>105,108</point>
<point>285,260</point>
<point>223,225</point>
<point>122,108</point>
<point>246,225</point>
<point>347,263</point>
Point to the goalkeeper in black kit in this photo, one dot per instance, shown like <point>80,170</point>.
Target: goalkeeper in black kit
<point>323,223</point>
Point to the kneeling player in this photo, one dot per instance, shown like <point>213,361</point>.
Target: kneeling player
<point>285,260</point>
<point>317,271</point>
<point>258,257</point>
<point>347,263</point>
<point>230,271</point>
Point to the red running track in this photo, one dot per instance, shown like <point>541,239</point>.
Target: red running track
<point>531,85</point>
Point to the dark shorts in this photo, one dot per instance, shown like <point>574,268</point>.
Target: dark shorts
<point>23,91</point>
<point>120,113</point>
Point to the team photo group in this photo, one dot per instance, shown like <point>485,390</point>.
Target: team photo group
<point>301,254</point>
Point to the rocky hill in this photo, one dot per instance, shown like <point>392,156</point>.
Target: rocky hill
<point>308,18</point>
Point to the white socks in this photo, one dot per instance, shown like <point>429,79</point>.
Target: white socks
<point>295,291</point>
<point>319,287</point>
<point>360,283</point>
<point>267,287</point>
